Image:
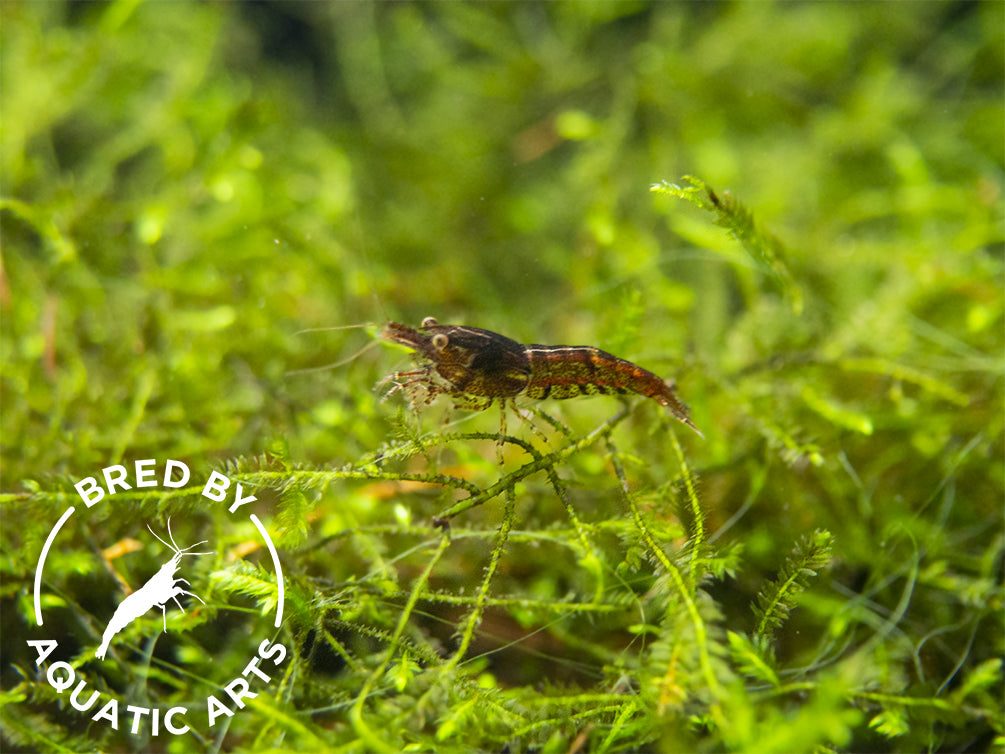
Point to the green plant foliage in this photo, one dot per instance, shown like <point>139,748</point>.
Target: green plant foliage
<point>207,210</point>
<point>764,249</point>
<point>778,597</point>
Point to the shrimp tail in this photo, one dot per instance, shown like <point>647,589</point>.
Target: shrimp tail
<point>567,371</point>
<point>116,624</point>
<point>667,397</point>
<point>131,608</point>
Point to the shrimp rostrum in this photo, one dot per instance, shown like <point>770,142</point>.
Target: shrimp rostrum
<point>476,367</point>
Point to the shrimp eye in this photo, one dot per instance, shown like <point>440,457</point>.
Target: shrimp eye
<point>428,322</point>
<point>439,340</point>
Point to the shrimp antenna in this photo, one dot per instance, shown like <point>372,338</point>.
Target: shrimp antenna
<point>333,327</point>
<point>336,364</point>
<point>174,545</point>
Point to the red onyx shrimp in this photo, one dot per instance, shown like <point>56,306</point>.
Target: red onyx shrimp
<point>476,367</point>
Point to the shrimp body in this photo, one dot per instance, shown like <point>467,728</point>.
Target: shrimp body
<point>476,367</point>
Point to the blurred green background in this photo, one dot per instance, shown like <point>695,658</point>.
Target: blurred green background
<point>187,187</point>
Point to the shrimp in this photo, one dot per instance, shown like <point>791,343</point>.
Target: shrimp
<point>160,588</point>
<point>476,367</point>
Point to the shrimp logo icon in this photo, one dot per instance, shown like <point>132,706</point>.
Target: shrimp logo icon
<point>231,680</point>
<point>161,587</point>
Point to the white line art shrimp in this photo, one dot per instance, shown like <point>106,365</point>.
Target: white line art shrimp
<point>161,587</point>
